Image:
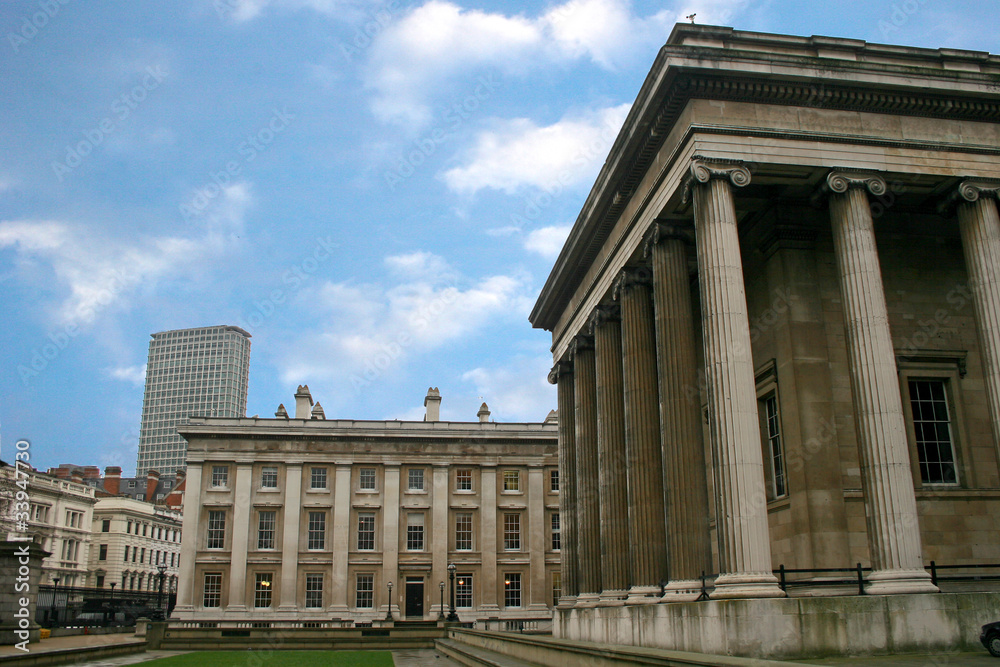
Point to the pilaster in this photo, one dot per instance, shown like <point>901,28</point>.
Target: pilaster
<point>290,537</point>
<point>744,541</point>
<point>891,507</point>
<point>190,534</point>
<point>341,538</point>
<point>439,537</point>
<point>390,536</point>
<point>241,527</point>
<point>536,538</point>
<point>488,538</point>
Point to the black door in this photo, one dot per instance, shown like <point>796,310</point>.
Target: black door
<point>415,598</point>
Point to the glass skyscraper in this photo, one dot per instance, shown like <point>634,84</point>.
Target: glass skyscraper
<point>201,372</point>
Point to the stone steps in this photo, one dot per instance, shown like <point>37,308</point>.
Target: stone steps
<point>473,656</point>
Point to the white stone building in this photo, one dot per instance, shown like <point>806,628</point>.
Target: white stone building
<point>131,539</point>
<point>306,519</point>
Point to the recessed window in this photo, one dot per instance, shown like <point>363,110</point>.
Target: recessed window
<point>512,532</point>
<point>554,481</point>
<point>774,454</point>
<point>265,529</point>
<point>220,476</point>
<point>314,591</point>
<point>269,477</point>
<point>366,531</point>
<point>556,587</point>
<point>414,532</point>
<point>556,533</point>
<point>317,531</point>
<point>511,480</point>
<point>463,479</point>
<point>463,532</point>
<point>102,552</point>
<point>262,590</point>
<point>365,592</point>
<point>933,431</point>
<point>416,479</point>
<point>463,591</point>
<point>318,478</point>
<point>366,479</point>
<point>216,529</point>
<point>106,526</point>
<point>512,589</point>
<point>213,590</point>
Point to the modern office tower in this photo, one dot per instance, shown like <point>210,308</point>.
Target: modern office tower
<point>201,372</point>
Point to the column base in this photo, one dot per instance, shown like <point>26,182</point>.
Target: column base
<point>566,602</point>
<point>643,595</point>
<point>745,585</point>
<point>586,600</point>
<point>686,590</point>
<point>612,598</point>
<point>896,582</point>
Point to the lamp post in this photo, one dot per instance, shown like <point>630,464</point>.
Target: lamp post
<point>452,616</point>
<point>441,612</point>
<point>111,604</point>
<point>55,601</point>
<point>159,598</point>
<point>388,611</point>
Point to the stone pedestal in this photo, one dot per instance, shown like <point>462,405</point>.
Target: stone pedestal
<point>647,518</point>
<point>886,477</point>
<point>20,563</point>
<point>744,541</point>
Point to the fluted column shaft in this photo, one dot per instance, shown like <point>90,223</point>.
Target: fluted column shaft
<point>612,459</point>
<point>680,414</point>
<point>979,222</point>
<point>588,527</point>
<point>647,518</point>
<point>891,512</point>
<point>744,540</point>
<point>562,376</point>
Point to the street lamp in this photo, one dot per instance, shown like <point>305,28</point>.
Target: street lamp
<point>111,604</point>
<point>441,612</point>
<point>159,598</point>
<point>452,616</point>
<point>388,611</point>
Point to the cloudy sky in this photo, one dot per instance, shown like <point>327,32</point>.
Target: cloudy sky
<point>374,190</point>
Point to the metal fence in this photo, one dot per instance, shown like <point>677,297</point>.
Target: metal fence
<point>73,606</point>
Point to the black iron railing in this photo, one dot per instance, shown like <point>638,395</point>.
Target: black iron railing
<point>936,575</point>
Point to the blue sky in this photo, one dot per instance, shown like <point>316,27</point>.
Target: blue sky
<point>375,190</point>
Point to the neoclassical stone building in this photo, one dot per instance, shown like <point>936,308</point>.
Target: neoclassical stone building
<point>776,334</point>
<point>302,520</point>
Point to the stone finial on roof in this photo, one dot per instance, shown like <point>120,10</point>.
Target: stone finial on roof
<point>317,412</point>
<point>281,412</point>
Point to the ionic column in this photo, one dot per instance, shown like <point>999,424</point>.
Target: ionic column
<point>562,376</point>
<point>588,506</point>
<point>680,414</point>
<point>190,535</point>
<point>980,225</point>
<point>647,520</point>
<point>340,544</point>
<point>290,537</point>
<point>886,477</point>
<point>241,529</point>
<point>612,459</point>
<point>744,541</point>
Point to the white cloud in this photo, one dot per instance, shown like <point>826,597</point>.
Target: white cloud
<point>547,241</point>
<point>440,41</point>
<point>247,10</point>
<point>134,374</point>
<point>98,271</point>
<point>368,331</point>
<point>516,391</point>
<point>517,153</point>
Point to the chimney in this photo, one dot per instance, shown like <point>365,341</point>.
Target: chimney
<point>76,476</point>
<point>303,402</point>
<point>152,480</point>
<point>433,404</point>
<point>113,480</point>
<point>281,413</point>
<point>484,413</point>
<point>317,411</point>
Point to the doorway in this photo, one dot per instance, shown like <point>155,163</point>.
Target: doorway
<point>414,597</point>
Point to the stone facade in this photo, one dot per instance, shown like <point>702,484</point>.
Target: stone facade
<point>817,220</point>
<point>131,539</point>
<point>306,519</point>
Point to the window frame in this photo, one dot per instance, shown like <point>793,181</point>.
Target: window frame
<point>460,541</point>
<point>269,477</point>
<point>312,577</point>
<point>370,532</point>
<point>415,531</point>
<point>368,590</point>
<point>512,588</point>
<point>415,474</point>
<point>220,477</point>
<point>767,388</point>
<point>316,533</point>
<point>367,476</point>
<point>215,535</point>
<point>263,592</point>
<point>555,524</point>
<point>319,474</point>
<point>215,591</point>
<point>554,480</point>
<point>511,481</point>
<point>267,534</point>
<point>463,480</point>
<point>512,532</point>
<point>464,589</point>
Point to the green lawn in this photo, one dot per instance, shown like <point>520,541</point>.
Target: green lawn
<point>267,658</point>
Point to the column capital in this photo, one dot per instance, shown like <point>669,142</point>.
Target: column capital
<point>659,232</point>
<point>969,190</point>
<point>559,369</point>
<point>705,169</point>
<point>841,179</point>
<point>631,276</point>
<point>581,342</point>
<point>602,315</point>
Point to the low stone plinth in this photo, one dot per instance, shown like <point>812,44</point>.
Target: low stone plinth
<point>791,628</point>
